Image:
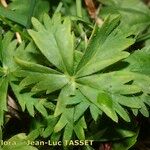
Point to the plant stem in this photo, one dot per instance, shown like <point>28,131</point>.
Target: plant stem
<point>79,8</point>
<point>79,14</point>
<point>80,26</point>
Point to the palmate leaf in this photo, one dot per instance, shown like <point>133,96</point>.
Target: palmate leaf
<point>4,78</point>
<point>134,13</point>
<point>28,102</point>
<point>8,50</point>
<point>82,84</point>
<point>139,64</point>
<point>56,43</point>
<point>105,48</point>
<point>115,85</point>
<point>104,103</point>
<point>41,75</point>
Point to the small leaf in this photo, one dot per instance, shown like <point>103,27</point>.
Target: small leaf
<point>34,67</point>
<point>123,114</point>
<point>80,110</point>
<point>68,132</point>
<point>106,105</point>
<point>79,128</point>
<point>51,122</point>
<point>95,112</point>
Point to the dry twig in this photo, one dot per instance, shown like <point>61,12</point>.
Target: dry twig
<point>4,3</point>
<point>12,108</point>
<point>19,40</point>
<point>93,11</point>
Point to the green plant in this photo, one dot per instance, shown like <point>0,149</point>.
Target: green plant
<point>78,80</point>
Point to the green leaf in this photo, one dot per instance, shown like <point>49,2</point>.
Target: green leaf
<point>66,120</point>
<point>51,122</point>
<point>80,102</point>
<point>139,61</point>
<point>13,16</point>
<point>79,128</point>
<point>80,109</point>
<point>139,64</point>
<point>134,13</point>
<point>132,102</point>
<point>18,142</point>
<point>50,83</point>
<point>95,112</point>
<point>82,86</point>
<point>100,100</point>
<point>69,126</point>
<point>61,102</point>
<point>68,132</point>
<point>106,105</point>
<point>3,98</point>
<point>56,44</point>
<point>8,50</point>
<point>28,102</point>
<point>102,50</point>
<point>123,113</point>
<point>115,83</point>
<point>44,81</point>
<point>34,134</point>
<point>34,67</point>
<point>126,143</point>
<point>22,11</point>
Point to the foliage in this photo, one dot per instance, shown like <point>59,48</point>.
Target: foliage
<point>71,78</point>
